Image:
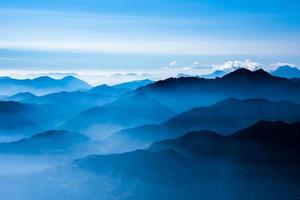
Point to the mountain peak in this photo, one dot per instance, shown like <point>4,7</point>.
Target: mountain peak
<point>245,73</point>
<point>287,72</point>
<point>271,131</point>
<point>43,78</point>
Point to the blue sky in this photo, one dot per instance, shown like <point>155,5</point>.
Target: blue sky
<point>129,35</point>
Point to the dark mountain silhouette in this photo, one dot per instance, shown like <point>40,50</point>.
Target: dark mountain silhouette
<point>41,85</point>
<point>286,72</point>
<point>225,117</point>
<point>50,142</point>
<point>262,142</point>
<point>127,111</point>
<point>194,165</point>
<point>184,93</point>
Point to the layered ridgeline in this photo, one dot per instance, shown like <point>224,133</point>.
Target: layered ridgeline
<point>51,111</point>
<point>23,119</point>
<point>40,85</point>
<point>184,93</point>
<point>128,110</point>
<point>47,143</point>
<point>259,162</point>
<point>175,95</point>
<point>120,88</point>
<point>264,142</point>
<point>66,104</point>
<point>284,71</point>
<point>226,117</point>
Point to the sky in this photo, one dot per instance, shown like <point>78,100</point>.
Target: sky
<point>141,36</point>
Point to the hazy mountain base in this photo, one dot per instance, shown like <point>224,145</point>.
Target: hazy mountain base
<point>144,175</point>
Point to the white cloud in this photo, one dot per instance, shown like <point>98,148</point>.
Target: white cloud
<point>233,65</point>
<point>173,63</point>
<point>197,63</point>
<point>186,68</point>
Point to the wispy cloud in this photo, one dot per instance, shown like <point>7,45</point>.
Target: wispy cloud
<point>106,33</point>
<point>233,65</point>
<point>279,64</point>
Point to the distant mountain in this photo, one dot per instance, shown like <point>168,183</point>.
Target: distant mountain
<point>120,88</point>
<point>127,111</point>
<point>25,97</point>
<point>67,105</point>
<point>108,90</point>
<point>286,72</point>
<point>225,117</point>
<point>271,142</point>
<point>215,74</point>
<point>133,84</point>
<point>50,142</point>
<point>41,85</point>
<point>184,93</point>
<point>76,101</point>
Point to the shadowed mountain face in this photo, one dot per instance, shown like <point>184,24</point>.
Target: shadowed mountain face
<point>225,117</point>
<point>287,72</point>
<point>127,111</point>
<point>262,142</point>
<point>50,142</point>
<point>14,119</point>
<point>187,92</point>
<point>41,85</point>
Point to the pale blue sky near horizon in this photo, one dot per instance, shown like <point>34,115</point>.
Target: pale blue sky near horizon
<point>133,35</point>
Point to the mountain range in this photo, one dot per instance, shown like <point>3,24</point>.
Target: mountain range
<point>251,162</point>
<point>235,136</point>
<point>41,85</point>
<point>260,143</point>
<point>181,94</point>
<point>49,142</point>
<point>225,117</point>
<point>284,71</point>
<point>118,89</point>
<point>127,111</point>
